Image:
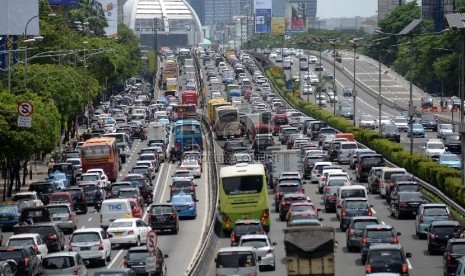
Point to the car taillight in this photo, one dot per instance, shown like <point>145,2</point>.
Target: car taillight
<point>70,248</point>
<point>431,237</point>
<point>277,194</point>
<point>343,213</point>
<point>76,272</point>
<point>448,258</point>
<point>172,190</point>
<point>327,188</point>
<point>449,217</point>
<point>351,233</point>
<point>270,250</point>
<point>265,216</point>
<point>191,205</point>
<point>331,197</point>
<point>339,203</point>
<point>404,268</point>
<point>395,240</point>
<point>283,203</point>
<point>26,261</point>
<point>359,168</point>
<point>131,232</point>
<point>52,237</point>
<point>233,237</point>
<point>364,241</point>
<point>421,218</point>
<point>70,216</point>
<point>322,179</point>
<point>192,189</point>
<point>125,262</point>
<point>391,184</point>
<point>370,213</point>
<point>368,269</point>
<point>402,205</point>
<point>100,247</point>
<point>36,248</point>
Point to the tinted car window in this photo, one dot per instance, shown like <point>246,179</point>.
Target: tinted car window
<point>379,234</point>
<point>446,230</point>
<point>58,262</point>
<point>435,212</point>
<point>362,224</point>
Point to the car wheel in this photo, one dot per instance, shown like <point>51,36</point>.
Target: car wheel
<point>138,241</point>
<point>175,230</point>
<point>108,259</point>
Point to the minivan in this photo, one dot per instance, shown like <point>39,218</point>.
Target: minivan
<point>349,192</point>
<point>237,261</point>
<point>385,177</point>
<point>113,209</point>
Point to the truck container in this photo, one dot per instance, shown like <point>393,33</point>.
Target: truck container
<point>171,83</point>
<point>310,250</point>
<point>256,123</point>
<point>283,161</point>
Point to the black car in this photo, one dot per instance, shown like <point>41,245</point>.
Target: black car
<point>355,229</point>
<point>406,204</point>
<point>142,170</point>
<point>116,186</point>
<point>27,261</point>
<point>397,177</point>
<point>377,233</point>
<point>285,188</point>
<point>429,122</point>
<point>346,112</point>
<point>50,233</point>
<point>365,164</point>
<point>455,250</point>
<point>163,216</point>
<point>68,169</point>
<point>330,199</point>
<point>390,132</point>
<point>355,158</point>
<point>89,190</point>
<point>43,190</point>
<point>136,257</point>
<point>440,232</point>
<point>245,227</point>
<point>79,199</point>
<point>353,207</point>
<point>453,142</point>
<point>388,258</point>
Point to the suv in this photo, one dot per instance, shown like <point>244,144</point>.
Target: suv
<point>64,215</point>
<point>136,257</point>
<point>245,227</point>
<point>355,229</point>
<point>183,185</point>
<point>434,148</point>
<point>163,216</point>
<point>367,121</point>
<point>453,142</point>
<point>365,164</point>
<point>92,243</point>
<point>286,202</point>
<point>347,91</point>
<point>427,213</point>
<point>79,199</point>
<point>377,233</point>
<point>43,190</point>
<point>27,261</point>
<point>387,258</point>
<point>455,250</point>
<point>401,123</point>
<point>429,122</point>
<point>439,233</point>
<point>353,207</point>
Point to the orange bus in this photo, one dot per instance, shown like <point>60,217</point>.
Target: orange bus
<point>101,153</point>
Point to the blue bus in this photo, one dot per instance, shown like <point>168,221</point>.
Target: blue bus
<point>186,133</point>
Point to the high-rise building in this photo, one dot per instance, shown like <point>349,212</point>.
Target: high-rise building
<point>387,6</point>
<point>199,8</point>
<point>279,7</point>
<point>219,12</point>
<point>437,10</point>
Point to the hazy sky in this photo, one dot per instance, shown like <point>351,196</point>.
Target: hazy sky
<point>346,8</point>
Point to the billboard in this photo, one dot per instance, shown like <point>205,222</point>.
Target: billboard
<point>63,2</point>
<point>19,17</point>
<point>262,16</point>
<point>109,9</point>
<point>278,25</point>
<point>295,18</point>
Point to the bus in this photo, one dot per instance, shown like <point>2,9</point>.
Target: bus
<point>184,111</point>
<point>101,153</point>
<point>187,132</point>
<point>227,122</point>
<point>190,97</point>
<point>213,104</point>
<point>243,194</point>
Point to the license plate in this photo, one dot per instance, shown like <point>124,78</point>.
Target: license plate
<point>57,219</point>
<point>117,234</point>
<point>180,208</point>
<point>414,213</point>
<point>4,218</point>
<point>85,248</point>
<point>161,219</point>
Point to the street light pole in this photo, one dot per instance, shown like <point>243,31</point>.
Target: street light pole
<point>354,91</point>
<point>380,99</point>
<point>333,43</point>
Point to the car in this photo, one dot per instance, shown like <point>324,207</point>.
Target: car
<point>64,215</point>
<point>26,260</point>
<point>417,130</point>
<point>183,185</point>
<point>89,190</point>
<point>239,158</point>
<point>263,249</point>
<point>434,148</point>
<point>347,91</point>
<point>453,257</point>
<point>59,178</point>
<point>9,216</point>
<point>51,235</point>
<point>43,190</point>
<point>128,231</point>
<point>377,233</point>
<point>31,239</point>
<point>26,199</point>
<point>36,214</point>
<point>367,121</point>
<point>245,227</point>
<point>387,258</point>
<point>329,199</point>
<point>91,178</point>
<point>440,232</point>
<point>93,244</point>
<point>450,160</point>
<point>406,204</point>
<point>131,193</point>
<point>354,231</point>
<point>185,205</point>
<point>183,173</point>
<point>354,158</point>
<point>303,208</point>
<point>401,123</point>
<point>68,169</point>
<point>135,260</point>
<point>444,129</point>
<point>116,186</point>
<point>64,263</point>
<point>426,214</point>
<point>346,112</point>
<point>452,141</point>
<point>285,187</point>
<point>286,201</point>
<point>391,132</point>
<point>163,216</point>
<point>429,122</point>
<point>144,170</point>
<point>192,166</point>
<point>353,207</point>
<point>79,199</point>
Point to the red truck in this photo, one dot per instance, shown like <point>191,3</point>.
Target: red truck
<point>190,97</point>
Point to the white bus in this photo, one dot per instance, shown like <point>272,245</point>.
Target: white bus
<point>227,122</point>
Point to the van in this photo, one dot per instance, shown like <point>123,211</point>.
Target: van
<point>113,209</point>
<point>346,149</point>
<point>350,137</point>
<point>237,261</point>
<point>385,177</point>
<point>349,192</point>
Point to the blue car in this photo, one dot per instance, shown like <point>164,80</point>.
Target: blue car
<point>185,205</point>
<point>451,160</point>
<point>59,178</point>
<point>9,216</point>
<point>417,131</point>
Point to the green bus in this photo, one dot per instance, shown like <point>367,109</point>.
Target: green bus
<point>243,195</point>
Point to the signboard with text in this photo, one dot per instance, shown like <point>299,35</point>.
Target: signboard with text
<point>262,16</point>
<point>295,18</point>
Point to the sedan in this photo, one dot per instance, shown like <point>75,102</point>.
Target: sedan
<point>128,231</point>
<point>417,131</point>
<point>64,263</point>
<point>391,132</point>
<point>192,166</point>
<point>185,205</point>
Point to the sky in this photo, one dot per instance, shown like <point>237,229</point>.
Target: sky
<point>346,8</point>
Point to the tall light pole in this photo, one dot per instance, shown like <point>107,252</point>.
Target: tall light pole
<point>334,44</point>
<point>355,45</point>
<point>380,98</point>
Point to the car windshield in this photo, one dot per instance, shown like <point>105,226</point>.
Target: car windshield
<point>435,146</point>
<point>247,228</point>
<point>372,161</point>
<point>379,234</point>
<point>446,230</point>
<point>116,188</point>
<point>451,127</point>
<point>182,184</point>
<point>20,241</point>
<point>288,188</point>
<point>85,237</point>
<point>337,182</point>
<point>390,128</point>
<point>181,199</point>
<point>366,118</point>
<point>410,188</point>
<point>352,193</point>
<point>118,224</point>
<point>139,170</point>
<point>183,174</point>
<point>189,163</point>
<point>159,210</point>
<point>127,193</point>
<point>90,177</point>
<point>400,120</point>
<point>361,224</point>
<point>436,211</point>
<point>54,210</point>
<point>138,255</point>
<point>449,157</point>
<point>255,243</point>
<point>235,259</point>
<point>385,256</point>
<point>356,205</point>
<point>59,262</point>
<point>88,188</point>
<point>458,248</point>
<point>23,197</point>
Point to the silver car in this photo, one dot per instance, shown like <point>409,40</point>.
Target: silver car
<point>264,249</point>
<point>64,263</point>
<point>64,215</point>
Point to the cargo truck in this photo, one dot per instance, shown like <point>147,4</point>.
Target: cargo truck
<point>283,161</point>
<point>310,250</point>
<point>256,123</point>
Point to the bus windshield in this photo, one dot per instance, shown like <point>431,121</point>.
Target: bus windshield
<point>249,184</point>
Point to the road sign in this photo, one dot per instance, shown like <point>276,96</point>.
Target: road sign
<point>25,108</point>
<point>24,121</point>
<point>288,84</point>
<point>151,264</point>
<point>151,241</point>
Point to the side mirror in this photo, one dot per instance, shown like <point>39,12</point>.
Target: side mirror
<point>86,263</point>
<point>320,219</point>
<point>274,243</point>
<point>165,256</point>
<point>259,259</point>
<point>169,201</point>
<point>38,252</point>
<point>318,209</point>
<point>399,233</point>
<point>408,255</point>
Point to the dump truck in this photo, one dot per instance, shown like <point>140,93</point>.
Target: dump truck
<point>310,250</point>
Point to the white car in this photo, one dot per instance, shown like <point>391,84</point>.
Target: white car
<point>216,95</point>
<point>192,166</point>
<point>434,148</point>
<point>103,175</point>
<point>239,158</point>
<point>93,244</point>
<point>183,173</point>
<point>331,97</point>
<point>385,120</point>
<point>367,121</point>
<point>128,231</point>
<point>307,89</point>
<point>26,199</point>
<point>94,177</point>
<point>312,59</point>
<point>401,123</point>
<point>443,129</point>
<point>33,240</point>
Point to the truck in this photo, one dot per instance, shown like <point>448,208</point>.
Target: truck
<point>229,52</point>
<point>170,70</point>
<point>190,97</point>
<point>283,160</point>
<point>310,250</point>
<point>171,83</point>
<point>256,123</point>
<point>212,105</point>
<point>233,90</point>
<point>188,62</point>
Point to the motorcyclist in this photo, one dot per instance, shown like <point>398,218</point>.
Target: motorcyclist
<point>172,153</point>
<point>98,196</point>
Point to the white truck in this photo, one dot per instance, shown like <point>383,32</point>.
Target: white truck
<point>283,161</point>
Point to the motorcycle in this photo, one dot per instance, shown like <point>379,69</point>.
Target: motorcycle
<point>173,158</point>
<point>98,205</point>
<point>142,135</point>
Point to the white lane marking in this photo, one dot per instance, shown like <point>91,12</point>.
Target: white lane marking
<point>90,219</point>
<point>115,258</point>
<point>409,264</point>
<point>373,211</point>
<point>83,227</point>
<point>156,185</point>
<point>383,223</point>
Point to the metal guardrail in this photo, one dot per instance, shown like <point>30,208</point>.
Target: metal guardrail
<point>423,184</point>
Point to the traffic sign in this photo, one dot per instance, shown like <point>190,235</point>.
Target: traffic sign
<point>151,241</point>
<point>25,108</point>
<point>288,84</point>
<point>24,121</point>
<point>151,264</point>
